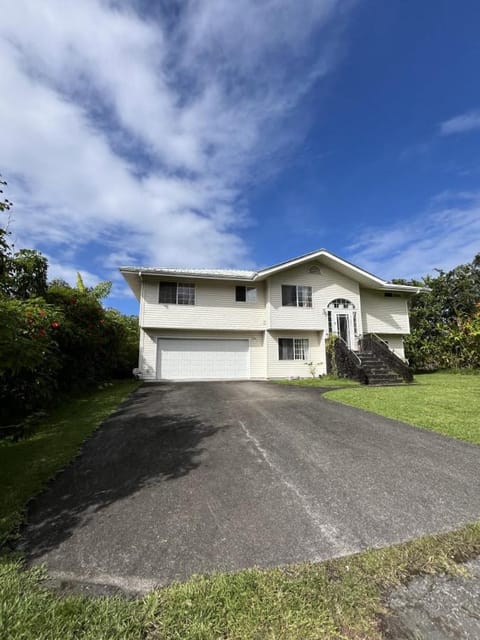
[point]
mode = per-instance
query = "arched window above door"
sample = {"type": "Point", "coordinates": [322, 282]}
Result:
{"type": "Point", "coordinates": [342, 320]}
{"type": "Point", "coordinates": [341, 303]}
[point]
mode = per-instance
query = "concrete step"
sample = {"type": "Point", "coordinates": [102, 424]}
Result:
{"type": "Point", "coordinates": [387, 383]}
{"type": "Point", "coordinates": [378, 371]}
{"type": "Point", "coordinates": [386, 378]}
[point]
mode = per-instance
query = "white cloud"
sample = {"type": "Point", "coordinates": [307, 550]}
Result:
{"type": "Point", "coordinates": [57, 271]}
{"type": "Point", "coordinates": [461, 124]}
{"type": "Point", "coordinates": [136, 137]}
{"type": "Point", "coordinates": [442, 238]}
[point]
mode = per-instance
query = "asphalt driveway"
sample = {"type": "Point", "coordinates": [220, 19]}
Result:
{"type": "Point", "coordinates": [195, 477]}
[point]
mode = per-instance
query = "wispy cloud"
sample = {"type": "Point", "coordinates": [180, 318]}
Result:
{"type": "Point", "coordinates": [139, 133]}
{"type": "Point", "coordinates": [462, 123]}
{"type": "Point", "coordinates": [446, 235]}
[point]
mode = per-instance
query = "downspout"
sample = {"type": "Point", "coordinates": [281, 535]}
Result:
{"type": "Point", "coordinates": [140, 322]}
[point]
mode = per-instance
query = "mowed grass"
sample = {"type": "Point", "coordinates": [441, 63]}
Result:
{"type": "Point", "coordinates": [324, 381]}
{"type": "Point", "coordinates": [26, 465]}
{"type": "Point", "coordinates": [446, 402]}
{"type": "Point", "coordinates": [338, 599]}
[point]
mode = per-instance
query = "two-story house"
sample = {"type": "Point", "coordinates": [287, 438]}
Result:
{"type": "Point", "coordinates": [229, 324]}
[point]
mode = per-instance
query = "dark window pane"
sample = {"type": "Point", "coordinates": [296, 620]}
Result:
{"type": "Point", "coordinates": [240, 294]}
{"type": "Point", "coordinates": [168, 293]}
{"type": "Point", "coordinates": [289, 295]}
{"type": "Point", "coordinates": [285, 349]}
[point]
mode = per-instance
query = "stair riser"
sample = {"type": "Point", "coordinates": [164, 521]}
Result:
{"type": "Point", "coordinates": [378, 372]}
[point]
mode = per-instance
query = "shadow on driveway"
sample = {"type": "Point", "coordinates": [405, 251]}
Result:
{"type": "Point", "coordinates": [132, 451]}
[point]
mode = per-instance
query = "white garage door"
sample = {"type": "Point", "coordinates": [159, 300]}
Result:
{"type": "Point", "coordinates": [181, 359]}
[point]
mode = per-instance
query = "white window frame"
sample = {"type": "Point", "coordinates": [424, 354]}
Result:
{"type": "Point", "coordinates": [296, 349]}
{"type": "Point", "coordinates": [248, 290]}
{"type": "Point", "coordinates": [297, 287]}
{"type": "Point", "coordinates": [178, 285]}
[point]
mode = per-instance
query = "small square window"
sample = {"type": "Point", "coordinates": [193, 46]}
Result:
{"type": "Point", "coordinates": [289, 295]}
{"type": "Point", "coordinates": [296, 296]}
{"type": "Point", "coordinates": [245, 294]}
{"type": "Point", "coordinates": [293, 348]}
{"type": "Point", "coordinates": [168, 293]}
{"type": "Point", "coordinates": [176, 293]}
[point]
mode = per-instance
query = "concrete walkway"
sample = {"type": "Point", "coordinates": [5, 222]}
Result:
{"type": "Point", "coordinates": [437, 607]}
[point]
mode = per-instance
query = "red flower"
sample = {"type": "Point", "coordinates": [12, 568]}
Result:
{"type": "Point", "coordinates": [55, 325]}
{"type": "Point", "coordinates": [41, 332]}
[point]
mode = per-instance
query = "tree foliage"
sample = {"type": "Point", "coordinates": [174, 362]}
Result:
{"type": "Point", "coordinates": [445, 320]}
{"type": "Point", "coordinates": [98, 292]}
{"type": "Point", "coordinates": [54, 338]}
{"type": "Point", "coordinates": [5, 251]}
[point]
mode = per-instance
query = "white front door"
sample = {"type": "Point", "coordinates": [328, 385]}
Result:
{"type": "Point", "coordinates": [202, 359]}
{"type": "Point", "coordinates": [343, 325]}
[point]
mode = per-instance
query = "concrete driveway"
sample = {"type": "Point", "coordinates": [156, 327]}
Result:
{"type": "Point", "coordinates": [195, 477]}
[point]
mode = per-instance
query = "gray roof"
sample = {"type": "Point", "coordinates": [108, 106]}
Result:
{"type": "Point", "coordinates": [344, 266]}
{"type": "Point", "coordinates": [207, 273]}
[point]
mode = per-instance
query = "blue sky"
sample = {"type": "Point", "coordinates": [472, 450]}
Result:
{"type": "Point", "coordinates": [211, 133]}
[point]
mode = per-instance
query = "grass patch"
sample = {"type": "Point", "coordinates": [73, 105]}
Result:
{"type": "Point", "coordinates": [324, 381]}
{"type": "Point", "coordinates": [26, 465]}
{"type": "Point", "coordinates": [341, 599]}
{"type": "Point", "coordinates": [446, 402]}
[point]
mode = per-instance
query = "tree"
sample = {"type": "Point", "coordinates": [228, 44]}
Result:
{"type": "Point", "coordinates": [54, 338]}
{"type": "Point", "coordinates": [440, 319]}
{"type": "Point", "coordinates": [5, 204]}
{"type": "Point", "coordinates": [28, 274]}
{"type": "Point", "coordinates": [98, 292]}
{"type": "Point", "coordinates": [5, 250]}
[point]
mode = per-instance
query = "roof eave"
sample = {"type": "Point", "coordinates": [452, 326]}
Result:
{"type": "Point", "coordinates": [370, 277]}
{"type": "Point", "coordinates": [183, 274]}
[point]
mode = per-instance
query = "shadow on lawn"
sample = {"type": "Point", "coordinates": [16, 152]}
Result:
{"type": "Point", "coordinates": [136, 447]}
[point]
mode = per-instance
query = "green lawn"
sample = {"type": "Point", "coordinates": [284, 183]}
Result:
{"type": "Point", "coordinates": [445, 402]}
{"type": "Point", "coordinates": [339, 599]}
{"type": "Point", "coordinates": [26, 465]}
{"type": "Point", "coordinates": [324, 381]}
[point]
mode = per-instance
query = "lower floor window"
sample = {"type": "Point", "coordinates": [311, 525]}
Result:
{"type": "Point", "coordinates": [293, 348]}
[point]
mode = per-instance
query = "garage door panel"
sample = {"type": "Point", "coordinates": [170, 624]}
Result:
{"type": "Point", "coordinates": [183, 358]}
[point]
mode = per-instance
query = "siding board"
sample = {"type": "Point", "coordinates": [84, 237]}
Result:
{"type": "Point", "coordinates": [326, 286]}
{"type": "Point", "coordinates": [215, 307]}
{"type": "Point", "coordinates": [384, 315]}
{"type": "Point", "coordinates": [295, 368]}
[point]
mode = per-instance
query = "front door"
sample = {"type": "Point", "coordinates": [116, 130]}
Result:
{"type": "Point", "coordinates": [343, 321]}
{"type": "Point", "coordinates": [343, 327]}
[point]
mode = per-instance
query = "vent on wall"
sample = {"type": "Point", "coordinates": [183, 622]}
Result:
{"type": "Point", "coordinates": [389, 294]}
{"type": "Point", "coordinates": [314, 269]}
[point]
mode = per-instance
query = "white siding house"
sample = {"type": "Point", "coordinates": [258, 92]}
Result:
{"type": "Point", "coordinates": [226, 324]}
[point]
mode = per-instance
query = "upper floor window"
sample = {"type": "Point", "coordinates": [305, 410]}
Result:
{"type": "Point", "coordinates": [296, 296]}
{"type": "Point", "coordinates": [176, 293]}
{"type": "Point", "coordinates": [245, 294]}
